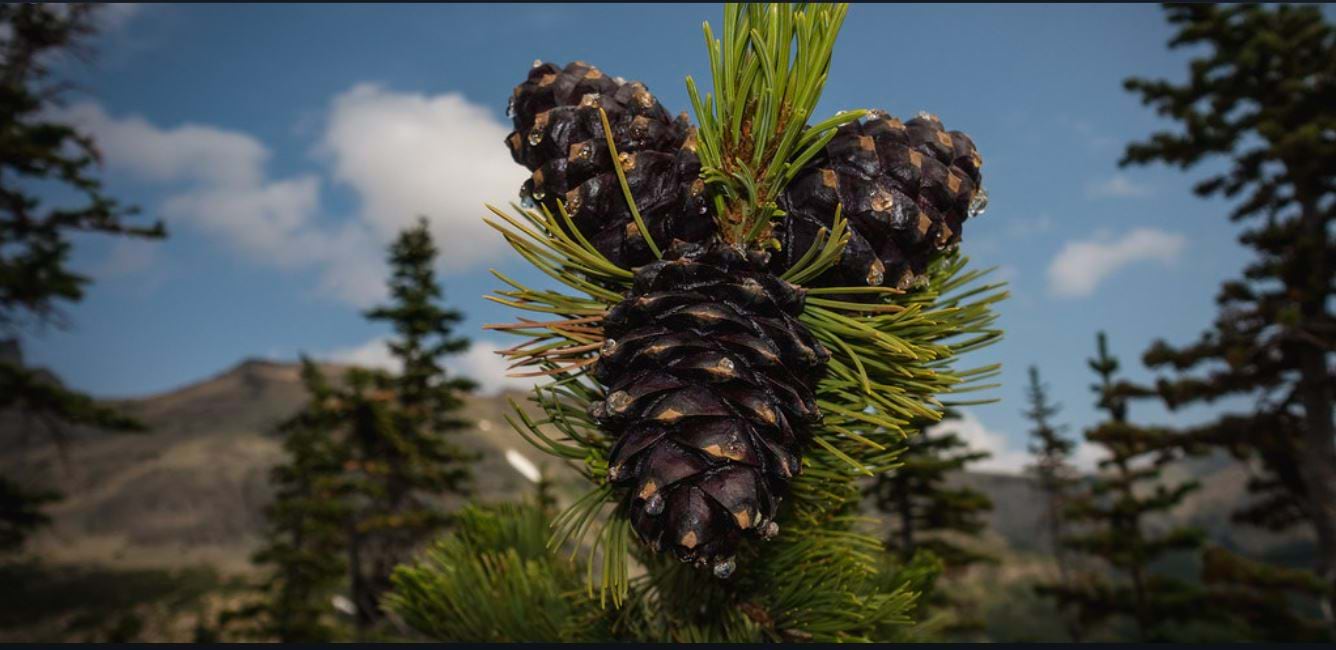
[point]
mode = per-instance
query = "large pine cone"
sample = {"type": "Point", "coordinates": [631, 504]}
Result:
{"type": "Point", "coordinates": [559, 136]}
{"type": "Point", "coordinates": [906, 188]}
{"type": "Point", "coordinates": [710, 383]}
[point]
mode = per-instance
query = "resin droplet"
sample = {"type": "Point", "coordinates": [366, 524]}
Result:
{"type": "Point", "coordinates": [877, 114]}
{"type": "Point", "coordinates": [726, 364]}
{"type": "Point", "coordinates": [768, 530]}
{"type": "Point", "coordinates": [609, 347]}
{"type": "Point", "coordinates": [615, 472]}
{"type": "Point", "coordinates": [724, 568]}
{"type": "Point", "coordinates": [619, 80]}
{"type": "Point", "coordinates": [537, 62]}
{"type": "Point", "coordinates": [589, 100]}
{"type": "Point", "coordinates": [618, 401]}
{"type": "Point", "coordinates": [527, 202]}
{"type": "Point", "coordinates": [539, 194]}
{"type": "Point", "coordinates": [510, 107]}
{"type": "Point", "coordinates": [978, 203]}
{"type": "Point", "coordinates": [535, 137]}
{"type": "Point", "coordinates": [654, 505]}
{"type": "Point", "coordinates": [876, 274]}
{"type": "Point", "coordinates": [925, 115]}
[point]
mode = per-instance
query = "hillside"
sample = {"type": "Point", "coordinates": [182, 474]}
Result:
{"type": "Point", "coordinates": [191, 490]}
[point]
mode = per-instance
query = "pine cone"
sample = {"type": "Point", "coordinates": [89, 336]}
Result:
{"type": "Point", "coordinates": [906, 188]}
{"type": "Point", "coordinates": [710, 395]}
{"type": "Point", "coordinates": [559, 136]}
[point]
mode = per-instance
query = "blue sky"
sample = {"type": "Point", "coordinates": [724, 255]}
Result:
{"type": "Point", "coordinates": [284, 144]}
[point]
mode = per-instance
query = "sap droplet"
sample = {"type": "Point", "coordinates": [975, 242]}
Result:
{"type": "Point", "coordinates": [586, 152]}
{"type": "Point", "coordinates": [535, 137]}
{"type": "Point", "coordinates": [978, 203]}
{"type": "Point", "coordinates": [727, 364]}
{"type": "Point", "coordinates": [876, 274]}
{"type": "Point", "coordinates": [925, 115]}
{"type": "Point", "coordinates": [724, 568]}
{"type": "Point", "coordinates": [527, 202]}
{"type": "Point", "coordinates": [619, 80]}
{"type": "Point", "coordinates": [589, 100]}
{"type": "Point", "coordinates": [537, 62]}
{"type": "Point", "coordinates": [618, 401]}
{"type": "Point", "coordinates": [539, 194]}
{"type": "Point", "coordinates": [877, 114]}
{"type": "Point", "coordinates": [654, 505]}
{"type": "Point", "coordinates": [769, 530]}
{"type": "Point", "coordinates": [609, 347]}
{"type": "Point", "coordinates": [510, 107]}
{"type": "Point", "coordinates": [615, 472]}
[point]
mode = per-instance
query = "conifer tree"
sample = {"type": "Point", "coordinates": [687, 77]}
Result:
{"type": "Point", "coordinates": [35, 278]}
{"type": "Point", "coordinates": [755, 313]}
{"type": "Point", "coordinates": [1260, 98]}
{"type": "Point", "coordinates": [1055, 477]}
{"type": "Point", "coordinates": [925, 510]}
{"type": "Point", "coordinates": [402, 459]}
{"type": "Point", "coordinates": [1110, 518]}
{"type": "Point", "coordinates": [305, 545]}
{"type": "Point", "coordinates": [1260, 599]}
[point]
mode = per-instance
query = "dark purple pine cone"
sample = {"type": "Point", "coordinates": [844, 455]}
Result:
{"type": "Point", "coordinates": [559, 137]}
{"type": "Point", "coordinates": [906, 188]}
{"type": "Point", "coordinates": [710, 382]}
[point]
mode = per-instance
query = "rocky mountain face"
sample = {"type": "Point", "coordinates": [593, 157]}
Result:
{"type": "Point", "coordinates": [191, 490]}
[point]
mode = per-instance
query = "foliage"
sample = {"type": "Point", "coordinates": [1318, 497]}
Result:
{"type": "Point", "coordinates": [37, 154]}
{"type": "Point", "coordinates": [1260, 598]}
{"type": "Point", "coordinates": [495, 580]}
{"type": "Point", "coordinates": [1261, 97]}
{"type": "Point", "coordinates": [1112, 513]}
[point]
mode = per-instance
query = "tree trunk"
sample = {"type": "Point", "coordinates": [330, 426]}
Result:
{"type": "Point", "coordinates": [1317, 460]}
{"type": "Point", "coordinates": [906, 522]}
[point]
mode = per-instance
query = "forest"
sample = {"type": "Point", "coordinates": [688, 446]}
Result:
{"type": "Point", "coordinates": [729, 384]}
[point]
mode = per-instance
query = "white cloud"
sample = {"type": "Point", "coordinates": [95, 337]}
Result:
{"type": "Point", "coordinates": [403, 154]}
{"type": "Point", "coordinates": [1081, 265]}
{"type": "Point", "coordinates": [1023, 227]}
{"type": "Point", "coordinates": [112, 16]}
{"type": "Point", "coordinates": [1007, 457]}
{"type": "Point", "coordinates": [1117, 186]}
{"type": "Point", "coordinates": [480, 362]}
{"type": "Point", "coordinates": [221, 187]}
{"type": "Point", "coordinates": [410, 154]}
{"type": "Point", "coordinates": [1004, 458]}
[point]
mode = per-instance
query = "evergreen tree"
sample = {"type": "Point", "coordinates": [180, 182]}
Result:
{"type": "Point", "coordinates": [1260, 598]}
{"type": "Point", "coordinates": [37, 153]}
{"type": "Point", "coordinates": [1055, 477]}
{"type": "Point", "coordinates": [401, 458]}
{"type": "Point", "coordinates": [728, 356]}
{"type": "Point", "coordinates": [925, 510]}
{"type": "Point", "coordinates": [931, 521]}
{"type": "Point", "coordinates": [1260, 97]}
{"type": "Point", "coordinates": [304, 548]}
{"type": "Point", "coordinates": [1110, 517]}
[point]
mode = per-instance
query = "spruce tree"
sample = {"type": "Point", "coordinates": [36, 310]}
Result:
{"type": "Point", "coordinates": [402, 460]}
{"type": "Point", "coordinates": [1111, 517]}
{"type": "Point", "coordinates": [755, 313]}
{"type": "Point", "coordinates": [304, 547]}
{"type": "Point", "coordinates": [1055, 477]}
{"type": "Point", "coordinates": [1259, 98]}
{"type": "Point", "coordinates": [36, 154]}
{"type": "Point", "coordinates": [926, 510]}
